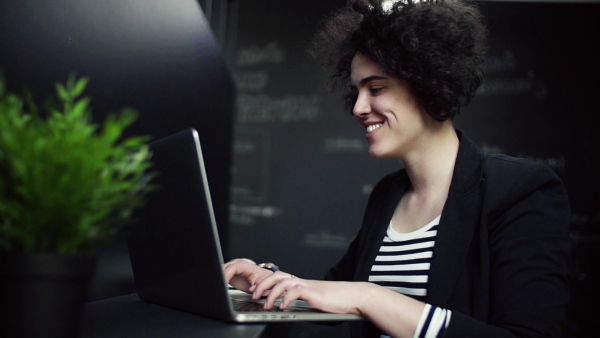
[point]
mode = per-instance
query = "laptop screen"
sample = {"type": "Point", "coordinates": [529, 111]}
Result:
{"type": "Point", "coordinates": [174, 246]}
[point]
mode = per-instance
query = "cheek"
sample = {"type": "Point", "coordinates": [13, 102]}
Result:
{"type": "Point", "coordinates": [406, 113]}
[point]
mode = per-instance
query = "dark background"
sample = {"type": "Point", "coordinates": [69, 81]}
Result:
{"type": "Point", "coordinates": [300, 173]}
{"type": "Point", "coordinates": [303, 202]}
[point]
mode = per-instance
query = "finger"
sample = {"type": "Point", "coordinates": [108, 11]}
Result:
{"type": "Point", "coordinates": [260, 288]}
{"type": "Point", "coordinates": [295, 290]}
{"type": "Point", "coordinates": [275, 293]}
{"type": "Point", "coordinates": [264, 274]}
{"type": "Point", "coordinates": [233, 261]}
{"type": "Point", "coordinates": [232, 270]}
{"type": "Point", "coordinates": [292, 293]}
{"type": "Point", "coordinates": [242, 275]}
{"type": "Point", "coordinates": [280, 289]}
{"type": "Point", "coordinates": [266, 283]}
{"type": "Point", "coordinates": [228, 272]}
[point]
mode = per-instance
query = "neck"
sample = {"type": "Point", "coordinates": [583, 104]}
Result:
{"type": "Point", "coordinates": [431, 169]}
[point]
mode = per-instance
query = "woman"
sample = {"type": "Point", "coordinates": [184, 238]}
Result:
{"type": "Point", "coordinates": [457, 243]}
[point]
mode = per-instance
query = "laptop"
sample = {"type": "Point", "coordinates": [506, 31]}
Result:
{"type": "Point", "coordinates": [174, 245]}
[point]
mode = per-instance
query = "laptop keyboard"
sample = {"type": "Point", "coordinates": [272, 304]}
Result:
{"type": "Point", "coordinates": [248, 306]}
{"type": "Point", "coordinates": [242, 305]}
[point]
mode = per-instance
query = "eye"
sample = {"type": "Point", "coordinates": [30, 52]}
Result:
{"type": "Point", "coordinates": [375, 90]}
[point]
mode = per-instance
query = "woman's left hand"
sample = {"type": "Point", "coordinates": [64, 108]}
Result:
{"type": "Point", "coordinates": [335, 297]}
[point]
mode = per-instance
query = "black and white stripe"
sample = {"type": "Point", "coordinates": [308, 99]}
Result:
{"type": "Point", "coordinates": [433, 322]}
{"type": "Point", "coordinates": [403, 265]}
{"type": "Point", "coordinates": [403, 261]}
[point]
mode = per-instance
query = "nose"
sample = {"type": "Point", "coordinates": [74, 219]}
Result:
{"type": "Point", "coordinates": [362, 106]}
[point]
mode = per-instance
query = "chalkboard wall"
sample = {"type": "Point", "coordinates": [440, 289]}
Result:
{"type": "Point", "coordinates": [301, 171]}
{"type": "Point", "coordinates": [302, 175]}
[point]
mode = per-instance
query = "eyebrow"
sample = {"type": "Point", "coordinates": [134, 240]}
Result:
{"type": "Point", "coordinates": [369, 79]}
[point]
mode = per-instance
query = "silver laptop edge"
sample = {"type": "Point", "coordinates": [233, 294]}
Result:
{"type": "Point", "coordinates": [188, 275]}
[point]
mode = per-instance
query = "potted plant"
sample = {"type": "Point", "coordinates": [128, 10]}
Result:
{"type": "Point", "coordinates": [66, 185]}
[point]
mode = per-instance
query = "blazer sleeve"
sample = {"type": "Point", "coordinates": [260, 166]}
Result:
{"type": "Point", "coordinates": [526, 215]}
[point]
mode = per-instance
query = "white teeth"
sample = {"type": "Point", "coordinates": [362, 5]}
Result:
{"type": "Point", "coordinates": [373, 127]}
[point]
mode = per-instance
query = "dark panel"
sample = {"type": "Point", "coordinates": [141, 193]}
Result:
{"type": "Point", "coordinates": [155, 56]}
{"type": "Point", "coordinates": [158, 57]}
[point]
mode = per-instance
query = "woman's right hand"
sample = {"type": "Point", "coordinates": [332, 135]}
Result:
{"type": "Point", "coordinates": [241, 274]}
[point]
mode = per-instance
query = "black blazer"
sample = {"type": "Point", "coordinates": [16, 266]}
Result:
{"type": "Point", "coordinates": [502, 253]}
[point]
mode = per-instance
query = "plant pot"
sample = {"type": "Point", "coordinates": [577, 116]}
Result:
{"type": "Point", "coordinates": [42, 295]}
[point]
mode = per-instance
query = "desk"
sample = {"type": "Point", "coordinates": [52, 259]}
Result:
{"type": "Point", "coordinates": [128, 316]}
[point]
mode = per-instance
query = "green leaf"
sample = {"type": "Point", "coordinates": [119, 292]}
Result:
{"type": "Point", "coordinates": [62, 92]}
{"type": "Point", "coordinates": [80, 109]}
{"type": "Point", "coordinates": [79, 87]}
{"type": "Point", "coordinates": [65, 185]}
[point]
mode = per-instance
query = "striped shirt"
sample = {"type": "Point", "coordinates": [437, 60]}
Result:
{"type": "Point", "coordinates": [402, 265]}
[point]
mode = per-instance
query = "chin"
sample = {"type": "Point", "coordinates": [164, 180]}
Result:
{"type": "Point", "coordinates": [378, 153]}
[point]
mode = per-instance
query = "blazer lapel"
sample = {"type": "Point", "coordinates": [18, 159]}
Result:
{"type": "Point", "coordinates": [379, 226]}
{"type": "Point", "coordinates": [455, 232]}
{"type": "Point", "coordinates": [458, 223]}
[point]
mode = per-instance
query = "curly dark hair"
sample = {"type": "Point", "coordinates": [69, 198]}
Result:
{"type": "Point", "coordinates": [437, 46]}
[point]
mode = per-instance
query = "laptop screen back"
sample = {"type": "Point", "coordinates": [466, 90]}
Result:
{"type": "Point", "coordinates": [174, 246]}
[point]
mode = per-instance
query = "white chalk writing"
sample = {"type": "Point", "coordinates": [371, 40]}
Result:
{"type": "Point", "coordinates": [343, 145]}
{"type": "Point", "coordinates": [500, 63]}
{"type": "Point", "coordinates": [243, 147]}
{"type": "Point", "coordinates": [514, 86]}
{"type": "Point", "coordinates": [555, 162]}
{"type": "Point", "coordinates": [286, 109]}
{"type": "Point", "coordinates": [251, 80]}
{"type": "Point", "coordinates": [254, 55]}
{"type": "Point", "coordinates": [327, 240]}
{"type": "Point", "coordinates": [247, 214]}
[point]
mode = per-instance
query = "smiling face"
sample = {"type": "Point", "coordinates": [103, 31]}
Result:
{"type": "Point", "coordinates": [394, 120]}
